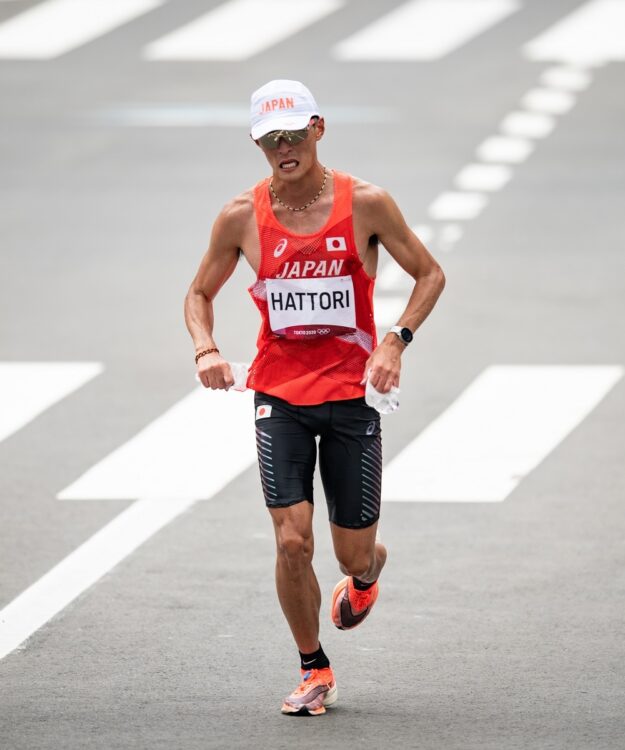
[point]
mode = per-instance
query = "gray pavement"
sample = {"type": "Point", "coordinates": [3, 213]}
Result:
{"type": "Point", "coordinates": [499, 625]}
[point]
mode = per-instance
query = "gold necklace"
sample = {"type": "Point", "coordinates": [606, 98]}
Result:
{"type": "Point", "coordinates": [310, 202]}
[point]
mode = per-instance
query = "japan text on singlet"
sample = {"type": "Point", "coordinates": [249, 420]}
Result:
{"type": "Point", "coordinates": [316, 303]}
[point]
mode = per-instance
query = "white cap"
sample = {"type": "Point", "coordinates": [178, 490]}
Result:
{"type": "Point", "coordinates": [281, 105]}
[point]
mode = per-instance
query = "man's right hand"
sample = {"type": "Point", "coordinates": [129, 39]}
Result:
{"type": "Point", "coordinates": [214, 372]}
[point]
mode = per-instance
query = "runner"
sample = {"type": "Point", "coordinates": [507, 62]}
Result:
{"type": "Point", "coordinates": [312, 235]}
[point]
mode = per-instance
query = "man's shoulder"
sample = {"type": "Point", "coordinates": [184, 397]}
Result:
{"type": "Point", "coordinates": [239, 208]}
{"type": "Point", "coordinates": [367, 196]}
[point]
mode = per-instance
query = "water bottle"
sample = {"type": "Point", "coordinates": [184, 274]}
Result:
{"type": "Point", "coordinates": [385, 403]}
{"type": "Point", "coordinates": [239, 373]}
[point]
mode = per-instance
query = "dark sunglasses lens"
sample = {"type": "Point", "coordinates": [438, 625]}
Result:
{"type": "Point", "coordinates": [292, 137]}
{"type": "Point", "coordinates": [295, 136]}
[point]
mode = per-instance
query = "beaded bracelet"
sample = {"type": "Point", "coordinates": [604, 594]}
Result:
{"type": "Point", "coordinates": [206, 351]}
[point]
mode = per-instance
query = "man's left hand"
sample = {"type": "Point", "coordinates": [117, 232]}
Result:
{"type": "Point", "coordinates": [384, 364]}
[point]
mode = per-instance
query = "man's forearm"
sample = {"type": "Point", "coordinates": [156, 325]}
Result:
{"type": "Point", "coordinates": [198, 316]}
{"type": "Point", "coordinates": [424, 295]}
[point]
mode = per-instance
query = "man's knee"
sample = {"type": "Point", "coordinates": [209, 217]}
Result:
{"type": "Point", "coordinates": [294, 549]}
{"type": "Point", "coordinates": [356, 563]}
{"type": "Point", "coordinates": [294, 536]}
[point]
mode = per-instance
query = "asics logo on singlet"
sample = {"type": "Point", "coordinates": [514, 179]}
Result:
{"type": "Point", "coordinates": [280, 247]}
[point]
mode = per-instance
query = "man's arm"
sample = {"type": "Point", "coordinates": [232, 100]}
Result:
{"type": "Point", "coordinates": [215, 268]}
{"type": "Point", "coordinates": [406, 249]}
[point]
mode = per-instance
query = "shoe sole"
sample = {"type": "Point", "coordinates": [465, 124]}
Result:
{"type": "Point", "coordinates": [329, 700]}
{"type": "Point", "coordinates": [340, 586]}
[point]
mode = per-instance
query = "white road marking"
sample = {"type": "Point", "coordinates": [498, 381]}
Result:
{"type": "Point", "coordinates": [178, 459]}
{"type": "Point", "coordinates": [448, 236]}
{"type": "Point", "coordinates": [505, 424]}
{"type": "Point", "coordinates": [29, 388]}
{"type": "Point", "coordinates": [55, 27]}
{"type": "Point", "coordinates": [549, 101]}
{"type": "Point", "coordinates": [452, 206]}
{"type": "Point", "coordinates": [593, 33]}
{"type": "Point", "coordinates": [488, 177]}
{"type": "Point", "coordinates": [227, 115]}
{"type": "Point", "coordinates": [388, 309]}
{"type": "Point", "coordinates": [39, 603]}
{"type": "Point", "coordinates": [424, 232]}
{"type": "Point", "coordinates": [527, 124]}
{"type": "Point", "coordinates": [391, 277]}
{"type": "Point", "coordinates": [567, 78]}
{"type": "Point", "coordinates": [239, 29]}
{"type": "Point", "coordinates": [424, 29]}
{"type": "Point", "coordinates": [501, 148]}
{"type": "Point", "coordinates": [180, 454]}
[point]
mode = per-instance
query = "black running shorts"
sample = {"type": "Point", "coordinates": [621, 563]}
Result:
{"type": "Point", "coordinates": [350, 456]}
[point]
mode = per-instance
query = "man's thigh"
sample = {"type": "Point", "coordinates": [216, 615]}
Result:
{"type": "Point", "coordinates": [350, 459]}
{"type": "Point", "coordinates": [286, 450]}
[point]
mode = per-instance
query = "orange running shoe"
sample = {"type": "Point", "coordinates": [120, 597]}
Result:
{"type": "Point", "coordinates": [349, 605]}
{"type": "Point", "coordinates": [316, 691]}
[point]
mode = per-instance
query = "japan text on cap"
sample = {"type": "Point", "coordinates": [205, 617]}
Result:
{"type": "Point", "coordinates": [281, 105]}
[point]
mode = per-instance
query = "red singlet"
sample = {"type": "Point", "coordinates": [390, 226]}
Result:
{"type": "Point", "coordinates": [316, 303]}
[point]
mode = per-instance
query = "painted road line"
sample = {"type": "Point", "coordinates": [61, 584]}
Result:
{"type": "Point", "coordinates": [452, 206]}
{"type": "Point", "coordinates": [180, 454]}
{"type": "Point", "coordinates": [424, 232]}
{"type": "Point", "coordinates": [226, 115]}
{"type": "Point", "coordinates": [38, 604]}
{"type": "Point", "coordinates": [391, 277]}
{"type": "Point", "coordinates": [566, 78]}
{"type": "Point", "coordinates": [388, 309]}
{"type": "Point", "coordinates": [488, 177]}
{"type": "Point", "coordinates": [505, 424]}
{"type": "Point", "coordinates": [592, 34]}
{"type": "Point", "coordinates": [424, 29]}
{"type": "Point", "coordinates": [527, 124]}
{"type": "Point", "coordinates": [550, 101]}
{"type": "Point", "coordinates": [55, 27]}
{"type": "Point", "coordinates": [29, 388]}
{"type": "Point", "coordinates": [239, 29]}
{"type": "Point", "coordinates": [448, 235]}
{"type": "Point", "coordinates": [502, 148]}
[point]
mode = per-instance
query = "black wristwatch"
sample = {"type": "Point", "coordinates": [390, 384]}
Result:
{"type": "Point", "coordinates": [404, 334]}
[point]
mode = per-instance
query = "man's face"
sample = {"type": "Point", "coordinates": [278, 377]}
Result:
{"type": "Point", "coordinates": [291, 161]}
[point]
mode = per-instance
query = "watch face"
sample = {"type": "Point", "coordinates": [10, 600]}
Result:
{"type": "Point", "coordinates": [406, 335]}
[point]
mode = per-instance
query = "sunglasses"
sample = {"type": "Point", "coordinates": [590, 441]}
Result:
{"type": "Point", "coordinates": [292, 137]}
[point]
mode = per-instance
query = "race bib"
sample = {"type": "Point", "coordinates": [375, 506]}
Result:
{"type": "Point", "coordinates": [308, 308]}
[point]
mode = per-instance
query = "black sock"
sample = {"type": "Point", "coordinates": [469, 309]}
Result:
{"type": "Point", "coordinates": [361, 585]}
{"type": "Point", "coordinates": [316, 660]}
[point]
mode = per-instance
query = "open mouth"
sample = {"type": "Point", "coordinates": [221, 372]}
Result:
{"type": "Point", "coordinates": [289, 164]}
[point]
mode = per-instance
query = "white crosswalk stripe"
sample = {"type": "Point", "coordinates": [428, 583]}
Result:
{"type": "Point", "coordinates": [506, 422]}
{"type": "Point", "coordinates": [592, 34]}
{"type": "Point", "coordinates": [168, 458]}
{"type": "Point", "coordinates": [424, 29]}
{"type": "Point", "coordinates": [40, 602]}
{"type": "Point", "coordinates": [239, 29]}
{"type": "Point", "coordinates": [55, 27]}
{"type": "Point", "coordinates": [29, 388]}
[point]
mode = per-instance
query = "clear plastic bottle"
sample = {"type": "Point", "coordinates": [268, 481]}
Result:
{"type": "Point", "coordinates": [385, 403]}
{"type": "Point", "coordinates": [239, 373]}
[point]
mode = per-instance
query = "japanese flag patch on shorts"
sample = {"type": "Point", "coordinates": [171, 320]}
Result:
{"type": "Point", "coordinates": [263, 411]}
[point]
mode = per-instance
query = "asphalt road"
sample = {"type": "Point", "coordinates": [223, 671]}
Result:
{"type": "Point", "coordinates": [499, 624]}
